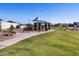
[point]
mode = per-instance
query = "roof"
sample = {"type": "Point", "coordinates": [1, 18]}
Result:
{"type": "Point", "coordinates": [35, 19]}
{"type": "Point", "coordinates": [42, 21]}
{"type": "Point", "coordinates": [39, 21]}
{"type": "Point", "coordinates": [12, 21]}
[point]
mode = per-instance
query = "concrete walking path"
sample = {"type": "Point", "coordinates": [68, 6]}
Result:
{"type": "Point", "coordinates": [19, 37]}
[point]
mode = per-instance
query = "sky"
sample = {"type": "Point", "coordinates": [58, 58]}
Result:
{"type": "Point", "coordinates": [51, 12]}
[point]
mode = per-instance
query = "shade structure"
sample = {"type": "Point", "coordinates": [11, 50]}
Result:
{"type": "Point", "coordinates": [38, 24]}
{"type": "Point", "coordinates": [35, 19]}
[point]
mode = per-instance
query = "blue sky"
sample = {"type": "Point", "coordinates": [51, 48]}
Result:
{"type": "Point", "coordinates": [52, 12]}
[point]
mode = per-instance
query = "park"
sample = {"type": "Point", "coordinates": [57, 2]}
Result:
{"type": "Point", "coordinates": [38, 29]}
{"type": "Point", "coordinates": [42, 41]}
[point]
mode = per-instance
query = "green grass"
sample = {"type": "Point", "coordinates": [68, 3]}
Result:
{"type": "Point", "coordinates": [57, 43]}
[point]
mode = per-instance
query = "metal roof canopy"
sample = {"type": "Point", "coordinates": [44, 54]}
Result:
{"type": "Point", "coordinates": [39, 21]}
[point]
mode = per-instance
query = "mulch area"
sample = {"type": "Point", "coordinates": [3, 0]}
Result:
{"type": "Point", "coordinates": [2, 37]}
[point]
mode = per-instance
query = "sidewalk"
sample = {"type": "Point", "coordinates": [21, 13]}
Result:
{"type": "Point", "coordinates": [19, 37]}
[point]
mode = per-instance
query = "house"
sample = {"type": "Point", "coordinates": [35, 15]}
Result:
{"type": "Point", "coordinates": [6, 25]}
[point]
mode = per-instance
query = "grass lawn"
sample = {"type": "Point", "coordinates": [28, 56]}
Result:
{"type": "Point", "coordinates": [57, 43]}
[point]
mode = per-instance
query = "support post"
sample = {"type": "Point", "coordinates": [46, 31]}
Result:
{"type": "Point", "coordinates": [46, 26]}
{"type": "Point", "coordinates": [49, 26]}
{"type": "Point", "coordinates": [39, 26]}
{"type": "Point", "coordinates": [35, 26]}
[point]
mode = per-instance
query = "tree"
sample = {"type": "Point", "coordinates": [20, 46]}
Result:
{"type": "Point", "coordinates": [18, 26]}
{"type": "Point", "coordinates": [11, 28]}
{"type": "Point", "coordinates": [0, 26]}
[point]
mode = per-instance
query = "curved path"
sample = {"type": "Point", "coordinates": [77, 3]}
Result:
{"type": "Point", "coordinates": [19, 37]}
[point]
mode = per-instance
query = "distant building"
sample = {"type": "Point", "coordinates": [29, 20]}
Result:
{"type": "Point", "coordinates": [6, 25]}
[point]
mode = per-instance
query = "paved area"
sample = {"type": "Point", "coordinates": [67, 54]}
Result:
{"type": "Point", "coordinates": [19, 37]}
